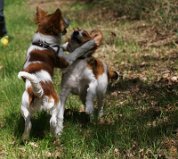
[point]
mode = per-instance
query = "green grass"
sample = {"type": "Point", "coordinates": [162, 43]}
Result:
{"type": "Point", "coordinates": [141, 110]}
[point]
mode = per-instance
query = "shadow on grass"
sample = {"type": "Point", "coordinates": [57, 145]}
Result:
{"type": "Point", "coordinates": [145, 126]}
{"type": "Point", "coordinates": [40, 125]}
{"type": "Point", "coordinates": [156, 108]}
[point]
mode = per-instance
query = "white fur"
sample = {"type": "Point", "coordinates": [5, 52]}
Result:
{"type": "Point", "coordinates": [34, 81]}
{"type": "Point", "coordinates": [43, 76]}
{"type": "Point", "coordinates": [80, 80]}
{"type": "Point", "coordinates": [64, 46]}
{"type": "Point", "coordinates": [51, 40]}
{"type": "Point", "coordinates": [46, 38]}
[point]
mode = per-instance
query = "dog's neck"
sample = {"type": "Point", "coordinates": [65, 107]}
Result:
{"type": "Point", "coordinates": [46, 38]}
{"type": "Point", "coordinates": [52, 41]}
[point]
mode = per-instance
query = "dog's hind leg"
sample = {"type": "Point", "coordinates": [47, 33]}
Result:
{"type": "Point", "coordinates": [26, 115]}
{"type": "Point", "coordinates": [100, 104]}
{"type": "Point", "coordinates": [101, 91]}
{"type": "Point", "coordinates": [91, 93]}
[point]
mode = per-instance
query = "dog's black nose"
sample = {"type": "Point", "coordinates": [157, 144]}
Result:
{"type": "Point", "coordinates": [75, 33]}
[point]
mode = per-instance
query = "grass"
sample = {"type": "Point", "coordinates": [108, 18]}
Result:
{"type": "Point", "coordinates": [141, 110]}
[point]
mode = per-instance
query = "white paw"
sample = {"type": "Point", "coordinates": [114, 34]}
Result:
{"type": "Point", "coordinates": [53, 124]}
{"type": "Point", "coordinates": [56, 127]}
{"type": "Point", "coordinates": [89, 110]}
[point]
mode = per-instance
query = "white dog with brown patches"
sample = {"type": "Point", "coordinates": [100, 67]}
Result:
{"type": "Point", "coordinates": [87, 77]}
{"type": "Point", "coordinates": [43, 56]}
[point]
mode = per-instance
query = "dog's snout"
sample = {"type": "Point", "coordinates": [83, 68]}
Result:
{"type": "Point", "coordinates": [76, 33]}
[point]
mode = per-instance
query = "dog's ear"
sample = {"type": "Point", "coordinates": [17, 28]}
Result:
{"type": "Point", "coordinates": [58, 12]}
{"type": "Point", "coordinates": [97, 35]}
{"type": "Point", "coordinates": [56, 16]}
{"type": "Point", "coordinates": [57, 20]}
{"type": "Point", "coordinates": [86, 34]}
{"type": "Point", "coordinates": [40, 14]}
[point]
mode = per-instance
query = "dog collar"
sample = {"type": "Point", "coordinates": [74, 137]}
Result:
{"type": "Point", "coordinates": [55, 48]}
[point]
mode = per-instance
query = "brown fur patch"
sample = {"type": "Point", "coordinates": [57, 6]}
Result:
{"type": "Point", "coordinates": [61, 62]}
{"type": "Point", "coordinates": [96, 66]}
{"type": "Point", "coordinates": [48, 61]}
{"type": "Point", "coordinates": [48, 89]}
{"type": "Point", "coordinates": [97, 35]}
{"type": "Point", "coordinates": [40, 14]}
{"type": "Point", "coordinates": [86, 37]}
{"type": "Point", "coordinates": [112, 74]}
{"type": "Point", "coordinates": [43, 56]}
{"type": "Point", "coordinates": [50, 24]}
{"type": "Point", "coordinates": [35, 67]}
{"type": "Point", "coordinates": [31, 95]}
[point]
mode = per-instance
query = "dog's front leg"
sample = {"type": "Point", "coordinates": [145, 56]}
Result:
{"type": "Point", "coordinates": [26, 115]}
{"type": "Point", "coordinates": [82, 51]}
{"type": "Point", "coordinates": [60, 109]}
{"type": "Point", "coordinates": [53, 120]}
{"type": "Point", "coordinates": [101, 91]}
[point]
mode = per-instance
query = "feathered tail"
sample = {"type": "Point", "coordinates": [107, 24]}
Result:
{"type": "Point", "coordinates": [114, 75]}
{"type": "Point", "coordinates": [36, 86]}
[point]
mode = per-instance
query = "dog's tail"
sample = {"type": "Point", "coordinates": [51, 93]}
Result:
{"type": "Point", "coordinates": [36, 86]}
{"type": "Point", "coordinates": [114, 75]}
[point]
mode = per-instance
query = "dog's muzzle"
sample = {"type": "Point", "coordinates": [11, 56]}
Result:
{"type": "Point", "coordinates": [75, 34]}
{"type": "Point", "coordinates": [76, 37]}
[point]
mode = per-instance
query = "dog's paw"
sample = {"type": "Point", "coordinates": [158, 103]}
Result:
{"type": "Point", "coordinates": [53, 123]}
{"type": "Point", "coordinates": [58, 131]}
{"type": "Point", "coordinates": [59, 127]}
{"type": "Point", "coordinates": [25, 137]}
{"type": "Point", "coordinates": [89, 110]}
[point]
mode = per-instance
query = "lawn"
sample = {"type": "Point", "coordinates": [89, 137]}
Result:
{"type": "Point", "coordinates": [141, 110]}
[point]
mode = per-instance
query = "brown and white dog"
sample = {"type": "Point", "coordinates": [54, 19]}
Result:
{"type": "Point", "coordinates": [43, 55]}
{"type": "Point", "coordinates": [87, 77]}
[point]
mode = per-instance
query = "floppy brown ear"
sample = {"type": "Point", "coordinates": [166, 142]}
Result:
{"type": "Point", "coordinates": [40, 14]}
{"type": "Point", "coordinates": [97, 35]}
